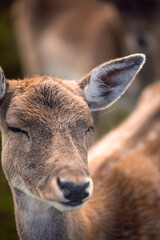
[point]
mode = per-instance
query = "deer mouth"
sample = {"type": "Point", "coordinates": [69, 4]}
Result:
{"type": "Point", "coordinates": [67, 206]}
{"type": "Point", "coordinates": [72, 203]}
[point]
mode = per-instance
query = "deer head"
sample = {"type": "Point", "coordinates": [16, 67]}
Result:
{"type": "Point", "coordinates": [45, 124]}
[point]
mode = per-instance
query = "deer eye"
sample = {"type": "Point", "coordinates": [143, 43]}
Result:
{"type": "Point", "coordinates": [18, 130]}
{"type": "Point", "coordinates": [90, 129]}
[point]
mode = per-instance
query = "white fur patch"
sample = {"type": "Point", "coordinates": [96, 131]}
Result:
{"type": "Point", "coordinates": [2, 84]}
{"type": "Point", "coordinates": [152, 135]}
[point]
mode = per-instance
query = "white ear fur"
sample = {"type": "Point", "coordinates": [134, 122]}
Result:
{"type": "Point", "coordinates": [109, 81]}
{"type": "Point", "coordinates": [2, 84]}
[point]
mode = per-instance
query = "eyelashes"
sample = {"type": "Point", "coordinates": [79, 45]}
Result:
{"type": "Point", "coordinates": [18, 130]}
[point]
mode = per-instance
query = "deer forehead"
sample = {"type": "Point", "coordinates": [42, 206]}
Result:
{"type": "Point", "coordinates": [47, 100]}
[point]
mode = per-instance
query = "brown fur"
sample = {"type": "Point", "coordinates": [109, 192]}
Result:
{"type": "Point", "coordinates": [129, 172]}
{"type": "Point", "coordinates": [124, 165]}
{"type": "Point", "coordinates": [126, 182]}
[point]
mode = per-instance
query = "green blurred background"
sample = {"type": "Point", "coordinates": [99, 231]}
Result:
{"type": "Point", "coordinates": [9, 61]}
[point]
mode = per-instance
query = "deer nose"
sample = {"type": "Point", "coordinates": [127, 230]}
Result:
{"type": "Point", "coordinates": [73, 192]}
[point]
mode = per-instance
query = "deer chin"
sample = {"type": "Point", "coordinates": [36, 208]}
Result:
{"type": "Point", "coordinates": [67, 206]}
{"type": "Point", "coordinates": [62, 206]}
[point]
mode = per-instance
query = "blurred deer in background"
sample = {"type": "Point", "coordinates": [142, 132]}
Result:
{"type": "Point", "coordinates": [140, 19]}
{"type": "Point", "coordinates": [45, 123]}
{"type": "Point", "coordinates": [126, 165]}
{"type": "Point", "coordinates": [55, 37]}
{"type": "Point", "coordinates": [66, 38]}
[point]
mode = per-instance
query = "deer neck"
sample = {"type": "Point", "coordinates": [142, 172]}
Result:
{"type": "Point", "coordinates": [37, 220]}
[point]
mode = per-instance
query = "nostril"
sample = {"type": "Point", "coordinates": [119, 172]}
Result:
{"type": "Point", "coordinates": [72, 191]}
{"type": "Point", "coordinates": [84, 186]}
{"type": "Point", "coordinates": [61, 184]}
{"type": "Point", "coordinates": [72, 186]}
{"type": "Point", "coordinates": [84, 194]}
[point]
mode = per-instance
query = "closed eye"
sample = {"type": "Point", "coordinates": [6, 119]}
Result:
{"type": "Point", "coordinates": [90, 129]}
{"type": "Point", "coordinates": [18, 130]}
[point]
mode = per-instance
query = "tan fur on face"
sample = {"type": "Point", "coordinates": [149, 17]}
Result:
{"type": "Point", "coordinates": [124, 166]}
{"type": "Point", "coordinates": [53, 114]}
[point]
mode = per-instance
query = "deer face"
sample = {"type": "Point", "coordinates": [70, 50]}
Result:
{"type": "Point", "coordinates": [46, 131]}
{"type": "Point", "coordinates": [45, 124]}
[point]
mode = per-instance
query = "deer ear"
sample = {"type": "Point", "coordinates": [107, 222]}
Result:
{"type": "Point", "coordinates": [106, 83]}
{"type": "Point", "coordinates": [2, 84]}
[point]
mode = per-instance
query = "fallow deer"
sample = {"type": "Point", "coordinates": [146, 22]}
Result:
{"type": "Point", "coordinates": [45, 123]}
{"type": "Point", "coordinates": [126, 164]}
{"type": "Point", "coordinates": [140, 19]}
{"type": "Point", "coordinates": [66, 38]}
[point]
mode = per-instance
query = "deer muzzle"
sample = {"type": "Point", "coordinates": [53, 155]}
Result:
{"type": "Point", "coordinates": [68, 190]}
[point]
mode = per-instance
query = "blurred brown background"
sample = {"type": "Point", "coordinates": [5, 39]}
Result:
{"type": "Point", "coordinates": [67, 38]}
